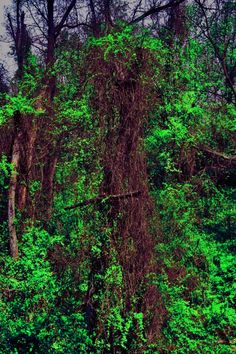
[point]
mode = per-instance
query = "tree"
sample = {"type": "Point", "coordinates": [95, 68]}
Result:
{"type": "Point", "coordinates": [25, 133]}
{"type": "Point", "coordinates": [20, 36]}
{"type": "Point", "coordinates": [218, 27]}
{"type": "Point", "coordinates": [21, 41]}
{"type": "Point", "coordinates": [117, 147]}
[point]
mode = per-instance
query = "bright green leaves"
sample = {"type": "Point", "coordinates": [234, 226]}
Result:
{"type": "Point", "coordinates": [67, 71]}
{"type": "Point", "coordinates": [31, 292]}
{"type": "Point", "coordinates": [5, 170]}
{"type": "Point", "coordinates": [21, 103]}
{"type": "Point", "coordinates": [74, 112]}
{"type": "Point", "coordinates": [114, 275]}
{"type": "Point", "coordinates": [198, 265]}
{"type": "Point", "coordinates": [33, 77]}
{"type": "Point", "coordinates": [116, 43]}
{"type": "Point", "coordinates": [123, 44]}
{"type": "Point", "coordinates": [30, 284]}
{"type": "Point", "coordinates": [47, 292]}
{"type": "Point", "coordinates": [184, 117]}
{"type": "Point", "coordinates": [178, 129]}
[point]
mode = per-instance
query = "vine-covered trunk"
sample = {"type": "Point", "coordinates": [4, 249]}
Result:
{"type": "Point", "coordinates": [122, 102]}
{"type": "Point", "coordinates": [125, 171]}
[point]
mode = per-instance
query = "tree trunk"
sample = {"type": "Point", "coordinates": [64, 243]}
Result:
{"type": "Point", "coordinates": [122, 120]}
{"type": "Point", "coordinates": [12, 189]}
{"type": "Point", "coordinates": [47, 187]}
{"type": "Point", "coordinates": [30, 134]}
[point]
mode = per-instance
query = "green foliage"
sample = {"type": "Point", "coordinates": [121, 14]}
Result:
{"type": "Point", "coordinates": [115, 43]}
{"type": "Point", "coordinates": [32, 77]}
{"type": "Point", "coordinates": [66, 292]}
{"type": "Point", "coordinates": [198, 267]}
{"type": "Point", "coordinates": [5, 170]}
{"type": "Point", "coordinates": [184, 118]}
{"type": "Point", "coordinates": [31, 319]}
{"type": "Point", "coordinates": [197, 216]}
{"type": "Point", "coordinates": [20, 103]}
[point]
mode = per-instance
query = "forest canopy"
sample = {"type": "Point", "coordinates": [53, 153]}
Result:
{"type": "Point", "coordinates": [117, 177]}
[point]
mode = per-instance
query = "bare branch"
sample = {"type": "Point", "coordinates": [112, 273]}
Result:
{"type": "Point", "coordinates": [92, 7]}
{"type": "Point", "coordinates": [76, 25]}
{"type": "Point", "coordinates": [40, 12]}
{"type": "Point", "coordinates": [155, 10]}
{"type": "Point", "coordinates": [64, 18]}
{"type": "Point", "coordinates": [231, 159]}
{"type": "Point", "coordinates": [220, 57]}
{"type": "Point", "coordinates": [11, 28]}
{"type": "Point", "coordinates": [107, 12]}
{"type": "Point", "coordinates": [36, 23]}
{"type": "Point", "coordinates": [104, 197]}
{"type": "Point", "coordinates": [136, 9]}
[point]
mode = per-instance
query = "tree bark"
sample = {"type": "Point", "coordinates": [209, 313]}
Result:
{"type": "Point", "coordinates": [12, 189]}
{"type": "Point", "coordinates": [47, 187]}
{"type": "Point", "coordinates": [29, 143]}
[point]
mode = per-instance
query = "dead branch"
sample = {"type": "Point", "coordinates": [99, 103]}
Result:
{"type": "Point", "coordinates": [102, 198]}
{"type": "Point", "coordinates": [212, 152]}
{"type": "Point", "coordinates": [155, 10]}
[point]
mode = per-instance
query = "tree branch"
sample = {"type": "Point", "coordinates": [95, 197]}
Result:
{"type": "Point", "coordinates": [76, 25]}
{"type": "Point", "coordinates": [40, 12]}
{"type": "Point", "coordinates": [102, 198]}
{"type": "Point", "coordinates": [64, 18]}
{"type": "Point", "coordinates": [36, 23]}
{"type": "Point", "coordinates": [220, 57]}
{"type": "Point", "coordinates": [11, 28]}
{"type": "Point", "coordinates": [155, 10]}
{"type": "Point", "coordinates": [210, 151]}
{"type": "Point", "coordinates": [136, 10]}
{"type": "Point", "coordinates": [107, 12]}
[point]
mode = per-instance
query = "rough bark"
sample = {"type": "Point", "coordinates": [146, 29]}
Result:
{"type": "Point", "coordinates": [177, 22]}
{"type": "Point", "coordinates": [47, 187]}
{"type": "Point", "coordinates": [28, 144]}
{"type": "Point", "coordinates": [12, 188]}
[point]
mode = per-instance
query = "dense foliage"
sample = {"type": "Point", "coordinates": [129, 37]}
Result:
{"type": "Point", "coordinates": [138, 124]}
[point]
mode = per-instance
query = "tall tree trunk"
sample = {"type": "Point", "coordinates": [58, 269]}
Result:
{"type": "Point", "coordinates": [30, 134]}
{"type": "Point", "coordinates": [47, 186]}
{"type": "Point", "coordinates": [178, 23]}
{"type": "Point", "coordinates": [122, 107]}
{"type": "Point", "coordinates": [13, 186]}
{"type": "Point", "coordinates": [107, 13]}
{"type": "Point", "coordinates": [51, 42]}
